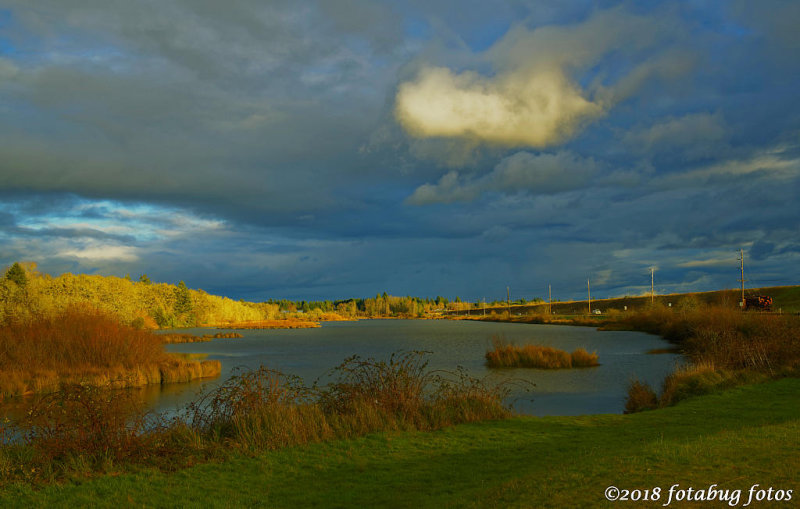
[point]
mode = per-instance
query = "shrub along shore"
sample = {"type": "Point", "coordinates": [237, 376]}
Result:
{"type": "Point", "coordinates": [81, 429]}
{"type": "Point", "coordinates": [732, 440]}
{"type": "Point", "coordinates": [83, 345]}
{"type": "Point", "coordinates": [191, 338]}
{"type": "Point", "coordinates": [724, 346]}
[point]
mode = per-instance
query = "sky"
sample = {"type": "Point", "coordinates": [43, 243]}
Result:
{"type": "Point", "coordinates": [343, 148]}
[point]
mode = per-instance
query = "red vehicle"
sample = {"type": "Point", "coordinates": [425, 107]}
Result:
{"type": "Point", "coordinates": [758, 303]}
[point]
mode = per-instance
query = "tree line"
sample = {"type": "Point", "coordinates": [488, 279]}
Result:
{"type": "Point", "coordinates": [26, 293]}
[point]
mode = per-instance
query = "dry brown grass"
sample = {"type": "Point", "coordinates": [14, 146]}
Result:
{"type": "Point", "coordinates": [77, 339]}
{"type": "Point", "coordinates": [583, 359]}
{"type": "Point", "coordinates": [508, 355]}
{"type": "Point", "coordinates": [533, 318]}
{"type": "Point", "coordinates": [266, 409]}
{"type": "Point", "coordinates": [724, 345]}
{"type": "Point", "coordinates": [726, 337]}
{"type": "Point", "coordinates": [640, 397]}
{"type": "Point", "coordinates": [83, 428]}
{"type": "Point", "coordinates": [289, 323]}
{"type": "Point", "coordinates": [83, 419]}
{"type": "Point", "coordinates": [191, 338]}
{"type": "Point", "coordinates": [334, 317]}
{"type": "Point", "coordinates": [82, 345]}
{"type": "Point", "coordinates": [177, 337]}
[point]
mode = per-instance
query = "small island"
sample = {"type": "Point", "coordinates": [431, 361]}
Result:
{"type": "Point", "coordinates": [508, 355]}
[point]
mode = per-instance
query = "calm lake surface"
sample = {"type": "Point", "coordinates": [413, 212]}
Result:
{"type": "Point", "coordinates": [311, 353]}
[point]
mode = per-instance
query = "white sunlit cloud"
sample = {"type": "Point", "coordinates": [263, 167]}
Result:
{"type": "Point", "coordinates": [101, 252]}
{"type": "Point", "coordinates": [533, 108]}
{"type": "Point", "coordinates": [533, 96]}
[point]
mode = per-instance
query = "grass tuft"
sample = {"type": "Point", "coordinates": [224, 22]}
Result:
{"type": "Point", "coordinates": [640, 397]}
{"type": "Point", "coordinates": [508, 355]}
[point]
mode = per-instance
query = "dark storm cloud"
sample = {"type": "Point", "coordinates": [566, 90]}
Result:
{"type": "Point", "coordinates": [200, 103]}
{"type": "Point", "coordinates": [281, 148]}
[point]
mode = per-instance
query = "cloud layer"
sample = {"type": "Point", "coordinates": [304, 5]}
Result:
{"type": "Point", "coordinates": [347, 147]}
{"type": "Point", "coordinates": [522, 172]}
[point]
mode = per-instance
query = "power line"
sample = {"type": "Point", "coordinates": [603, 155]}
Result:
{"type": "Point", "coordinates": [742, 280]}
{"type": "Point", "coordinates": [589, 290]}
{"type": "Point", "coordinates": [652, 285]}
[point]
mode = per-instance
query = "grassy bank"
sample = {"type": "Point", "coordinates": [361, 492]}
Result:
{"type": "Point", "coordinates": [83, 429]}
{"type": "Point", "coordinates": [506, 355]}
{"type": "Point", "coordinates": [786, 299]}
{"type": "Point", "coordinates": [536, 318]}
{"type": "Point", "coordinates": [735, 439]}
{"type": "Point", "coordinates": [191, 338]}
{"type": "Point", "coordinates": [288, 323]}
{"type": "Point", "coordinates": [83, 345]}
{"type": "Point", "coordinates": [725, 347]}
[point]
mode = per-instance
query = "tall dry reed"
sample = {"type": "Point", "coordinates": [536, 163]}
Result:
{"type": "Point", "coordinates": [724, 345]}
{"type": "Point", "coordinates": [726, 337]}
{"type": "Point", "coordinates": [267, 409]}
{"type": "Point", "coordinates": [507, 355]}
{"type": "Point", "coordinates": [84, 344]}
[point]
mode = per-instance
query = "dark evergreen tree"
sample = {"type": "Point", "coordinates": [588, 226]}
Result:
{"type": "Point", "coordinates": [17, 274]}
{"type": "Point", "coordinates": [183, 299]}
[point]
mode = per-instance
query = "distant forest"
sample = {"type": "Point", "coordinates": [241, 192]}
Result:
{"type": "Point", "coordinates": [26, 293]}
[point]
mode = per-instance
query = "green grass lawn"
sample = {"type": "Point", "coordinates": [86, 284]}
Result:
{"type": "Point", "coordinates": [744, 436]}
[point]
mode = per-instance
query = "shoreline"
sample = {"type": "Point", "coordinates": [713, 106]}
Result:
{"type": "Point", "coordinates": [176, 370]}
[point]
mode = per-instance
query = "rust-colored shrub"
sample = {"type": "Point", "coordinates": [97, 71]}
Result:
{"type": "Point", "coordinates": [507, 355]}
{"type": "Point", "coordinates": [640, 397]}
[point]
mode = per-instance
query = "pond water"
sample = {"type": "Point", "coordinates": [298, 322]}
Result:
{"type": "Point", "coordinates": [311, 353]}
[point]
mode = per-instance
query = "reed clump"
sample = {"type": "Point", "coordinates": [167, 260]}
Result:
{"type": "Point", "coordinates": [289, 323]}
{"type": "Point", "coordinates": [640, 397]}
{"type": "Point", "coordinates": [508, 355]}
{"type": "Point", "coordinates": [172, 338]}
{"type": "Point", "coordinates": [267, 409]}
{"type": "Point", "coordinates": [84, 345]}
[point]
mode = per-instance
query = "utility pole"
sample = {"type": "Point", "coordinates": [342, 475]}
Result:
{"type": "Point", "coordinates": [652, 286]}
{"type": "Point", "coordinates": [589, 289]}
{"type": "Point", "coordinates": [549, 300]}
{"type": "Point", "coordinates": [508, 297]}
{"type": "Point", "coordinates": [742, 280]}
{"type": "Point", "coordinates": [484, 306]}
